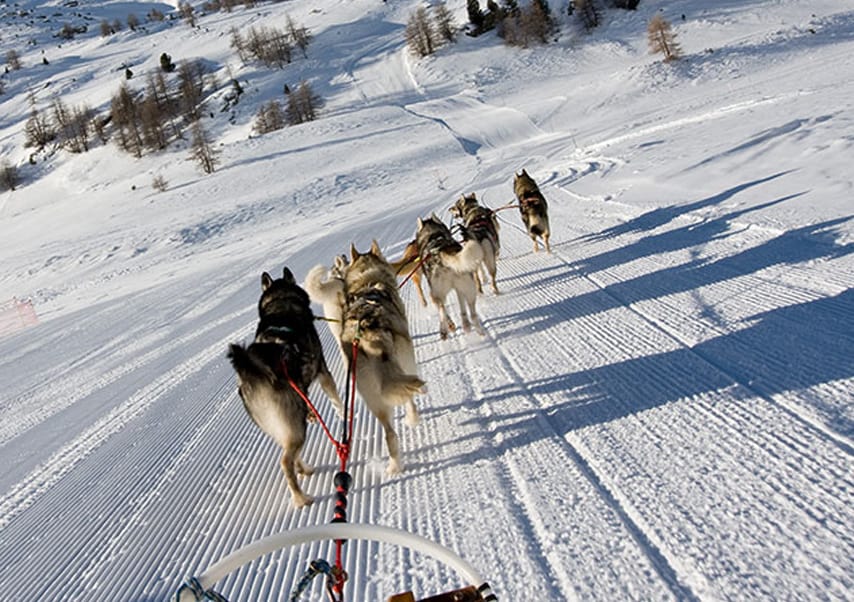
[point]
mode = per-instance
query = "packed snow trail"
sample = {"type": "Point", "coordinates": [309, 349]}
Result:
{"type": "Point", "coordinates": [599, 420]}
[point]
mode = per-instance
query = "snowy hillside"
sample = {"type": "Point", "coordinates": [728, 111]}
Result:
{"type": "Point", "coordinates": [661, 408]}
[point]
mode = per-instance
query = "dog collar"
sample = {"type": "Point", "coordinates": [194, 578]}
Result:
{"type": "Point", "coordinates": [278, 330]}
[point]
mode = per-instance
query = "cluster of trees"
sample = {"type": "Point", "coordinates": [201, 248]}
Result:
{"type": "Point", "coordinates": [148, 120]}
{"type": "Point", "coordinates": [109, 28]}
{"type": "Point", "coordinates": [69, 128]}
{"type": "Point", "coordinates": [138, 120]}
{"type": "Point", "coordinates": [428, 30]}
{"type": "Point", "coordinates": [521, 26]}
{"type": "Point", "coordinates": [271, 46]}
{"type": "Point", "coordinates": [301, 106]}
{"type": "Point", "coordinates": [518, 26]}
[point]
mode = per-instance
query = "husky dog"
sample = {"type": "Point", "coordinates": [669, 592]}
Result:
{"type": "Point", "coordinates": [373, 319]}
{"type": "Point", "coordinates": [479, 223]}
{"type": "Point", "coordinates": [449, 265]}
{"type": "Point", "coordinates": [534, 209]}
{"type": "Point", "coordinates": [286, 348]}
{"type": "Point", "coordinates": [407, 266]}
{"type": "Point", "coordinates": [326, 286]}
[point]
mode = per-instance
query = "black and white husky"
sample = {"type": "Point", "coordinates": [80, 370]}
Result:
{"type": "Point", "coordinates": [449, 266]}
{"type": "Point", "coordinates": [286, 350]}
{"type": "Point", "coordinates": [478, 223]}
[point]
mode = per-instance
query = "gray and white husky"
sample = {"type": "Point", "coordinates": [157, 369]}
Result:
{"type": "Point", "coordinates": [286, 348]}
{"type": "Point", "coordinates": [373, 319]}
{"type": "Point", "coordinates": [478, 223]}
{"type": "Point", "coordinates": [449, 266]}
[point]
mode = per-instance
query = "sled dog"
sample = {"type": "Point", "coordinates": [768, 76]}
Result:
{"type": "Point", "coordinates": [326, 286]}
{"type": "Point", "coordinates": [374, 321]}
{"type": "Point", "coordinates": [533, 208]}
{"type": "Point", "coordinates": [449, 265]}
{"type": "Point", "coordinates": [408, 267]}
{"type": "Point", "coordinates": [479, 223]}
{"type": "Point", "coordinates": [286, 346]}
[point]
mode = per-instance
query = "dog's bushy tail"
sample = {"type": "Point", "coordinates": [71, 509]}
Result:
{"type": "Point", "coordinates": [320, 288]}
{"type": "Point", "coordinates": [399, 388]}
{"type": "Point", "coordinates": [465, 260]}
{"type": "Point", "coordinates": [383, 379]}
{"type": "Point", "coordinates": [247, 366]}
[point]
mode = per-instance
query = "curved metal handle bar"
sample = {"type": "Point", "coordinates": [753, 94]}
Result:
{"type": "Point", "coordinates": [331, 531]}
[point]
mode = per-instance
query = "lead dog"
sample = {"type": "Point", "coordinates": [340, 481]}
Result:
{"type": "Point", "coordinates": [374, 321]}
{"type": "Point", "coordinates": [286, 347]}
{"type": "Point", "coordinates": [479, 224]}
{"type": "Point", "coordinates": [533, 208]}
{"type": "Point", "coordinates": [449, 265]}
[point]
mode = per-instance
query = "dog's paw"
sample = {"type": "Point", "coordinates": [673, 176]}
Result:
{"type": "Point", "coordinates": [412, 417]}
{"type": "Point", "coordinates": [302, 500]}
{"type": "Point", "coordinates": [394, 468]}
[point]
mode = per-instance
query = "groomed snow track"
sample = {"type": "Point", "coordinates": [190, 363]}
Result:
{"type": "Point", "coordinates": [658, 452]}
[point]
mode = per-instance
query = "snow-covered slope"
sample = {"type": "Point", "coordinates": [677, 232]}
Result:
{"type": "Point", "coordinates": [660, 409]}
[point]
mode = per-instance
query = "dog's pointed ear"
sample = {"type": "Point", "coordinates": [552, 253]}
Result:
{"type": "Point", "coordinates": [288, 276]}
{"type": "Point", "coordinates": [420, 224]}
{"type": "Point", "coordinates": [340, 261]}
{"type": "Point", "coordinates": [375, 248]}
{"type": "Point", "coordinates": [266, 281]}
{"type": "Point", "coordinates": [354, 254]}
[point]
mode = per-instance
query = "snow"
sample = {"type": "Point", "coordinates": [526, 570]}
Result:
{"type": "Point", "coordinates": [660, 409]}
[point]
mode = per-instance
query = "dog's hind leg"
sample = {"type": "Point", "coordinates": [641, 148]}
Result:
{"type": "Point", "coordinates": [327, 383]}
{"type": "Point", "coordinates": [467, 297]}
{"type": "Point", "coordinates": [290, 459]}
{"type": "Point", "coordinates": [406, 354]}
{"type": "Point", "coordinates": [392, 442]}
{"type": "Point", "coordinates": [546, 242]}
{"type": "Point", "coordinates": [490, 266]}
{"type": "Point", "coordinates": [445, 323]}
{"type": "Point", "coordinates": [464, 309]}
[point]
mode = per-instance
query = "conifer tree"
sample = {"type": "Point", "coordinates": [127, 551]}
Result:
{"type": "Point", "coordinates": [443, 22]}
{"type": "Point", "coordinates": [201, 149]}
{"type": "Point", "coordinates": [662, 39]}
{"type": "Point", "coordinates": [419, 33]}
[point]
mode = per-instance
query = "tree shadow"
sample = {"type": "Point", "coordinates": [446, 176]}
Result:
{"type": "Point", "coordinates": [787, 350]}
{"type": "Point", "coordinates": [799, 246]}
{"type": "Point", "coordinates": [661, 216]}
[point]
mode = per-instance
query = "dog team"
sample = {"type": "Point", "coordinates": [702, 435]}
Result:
{"type": "Point", "coordinates": [362, 304]}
